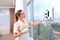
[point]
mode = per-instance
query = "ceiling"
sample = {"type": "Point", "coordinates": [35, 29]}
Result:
{"type": "Point", "coordinates": [7, 3]}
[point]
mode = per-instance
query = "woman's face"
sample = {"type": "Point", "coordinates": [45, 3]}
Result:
{"type": "Point", "coordinates": [22, 14]}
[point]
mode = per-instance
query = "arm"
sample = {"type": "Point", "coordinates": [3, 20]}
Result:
{"type": "Point", "coordinates": [16, 31]}
{"type": "Point", "coordinates": [21, 32]}
{"type": "Point", "coordinates": [57, 33]}
{"type": "Point", "coordinates": [18, 34]}
{"type": "Point", "coordinates": [36, 23]}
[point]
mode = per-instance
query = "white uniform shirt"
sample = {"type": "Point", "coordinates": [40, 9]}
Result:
{"type": "Point", "coordinates": [19, 24]}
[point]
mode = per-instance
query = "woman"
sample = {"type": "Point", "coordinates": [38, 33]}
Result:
{"type": "Point", "coordinates": [21, 26]}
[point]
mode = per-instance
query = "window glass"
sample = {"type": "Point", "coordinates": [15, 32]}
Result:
{"type": "Point", "coordinates": [28, 12]}
{"type": "Point", "coordinates": [28, 1]}
{"type": "Point", "coordinates": [4, 20]}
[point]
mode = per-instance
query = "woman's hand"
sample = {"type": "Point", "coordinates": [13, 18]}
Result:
{"type": "Point", "coordinates": [24, 31]}
{"type": "Point", "coordinates": [16, 34]}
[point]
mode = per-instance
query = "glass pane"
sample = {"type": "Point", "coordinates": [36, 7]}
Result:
{"type": "Point", "coordinates": [56, 28]}
{"type": "Point", "coordinates": [40, 6]}
{"type": "Point", "coordinates": [28, 12]}
{"type": "Point", "coordinates": [56, 13]}
{"type": "Point", "coordinates": [45, 31]}
{"type": "Point", "coordinates": [4, 21]}
{"type": "Point", "coordinates": [28, 1]}
{"type": "Point", "coordinates": [56, 5]}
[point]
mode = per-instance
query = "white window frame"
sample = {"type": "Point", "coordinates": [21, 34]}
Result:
{"type": "Point", "coordinates": [31, 10]}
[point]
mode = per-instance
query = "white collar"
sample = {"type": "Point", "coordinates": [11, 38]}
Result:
{"type": "Point", "coordinates": [21, 21]}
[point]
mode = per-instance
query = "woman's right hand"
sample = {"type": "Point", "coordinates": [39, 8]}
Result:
{"type": "Point", "coordinates": [19, 34]}
{"type": "Point", "coordinates": [16, 34]}
{"type": "Point", "coordinates": [24, 31]}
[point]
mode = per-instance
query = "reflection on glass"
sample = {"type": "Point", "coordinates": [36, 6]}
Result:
{"type": "Point", "coordinates": [28, 12]}
{"type": "Point", "coordinates": [56, 12]}
{"type": "Point", "coordinates": [45, 31]}
{"type": "Point", "coordinates": [28, 1]}
{"type": "Point", "coordinates": [4, 21]}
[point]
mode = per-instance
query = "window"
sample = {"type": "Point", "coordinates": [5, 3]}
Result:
{"type": "Point", "coordinates": [28, 12]}
{"type": "Point", "coordinates": [56, 6]}
{"type": "Point", "coordinates": [39, 7]}
{"type": "Point", "coordinates": [36, 11]}
{"type": "Point", "coordinates": [4, 20]}
{"type": "Point", "coordinates": [56, 12]}
{"type": "Point", "coordinates": [28, 1]}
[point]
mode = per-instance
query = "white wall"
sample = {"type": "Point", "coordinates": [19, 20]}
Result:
{"type": "Point", "coordinates": [19, 5]}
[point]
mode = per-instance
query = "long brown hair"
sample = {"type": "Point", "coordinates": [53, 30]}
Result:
{"type": "Point", "coordinates": [17, 14]}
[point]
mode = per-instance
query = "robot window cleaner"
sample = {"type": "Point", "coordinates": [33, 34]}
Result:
{"type": "Point", "coordinates": [47, 16]}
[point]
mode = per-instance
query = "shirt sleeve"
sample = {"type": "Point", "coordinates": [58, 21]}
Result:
{"type": "Point", "coordinates": [15, 29]}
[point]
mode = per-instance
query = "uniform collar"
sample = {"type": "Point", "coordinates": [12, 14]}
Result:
{"type": "Point", "coordinates": [21, 21]}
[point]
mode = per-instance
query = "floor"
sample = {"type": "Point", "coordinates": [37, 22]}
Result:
{"type": "Point", "coordinates": [6, 37]}
{"type": "Point", "coordinates": [9, 37]}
